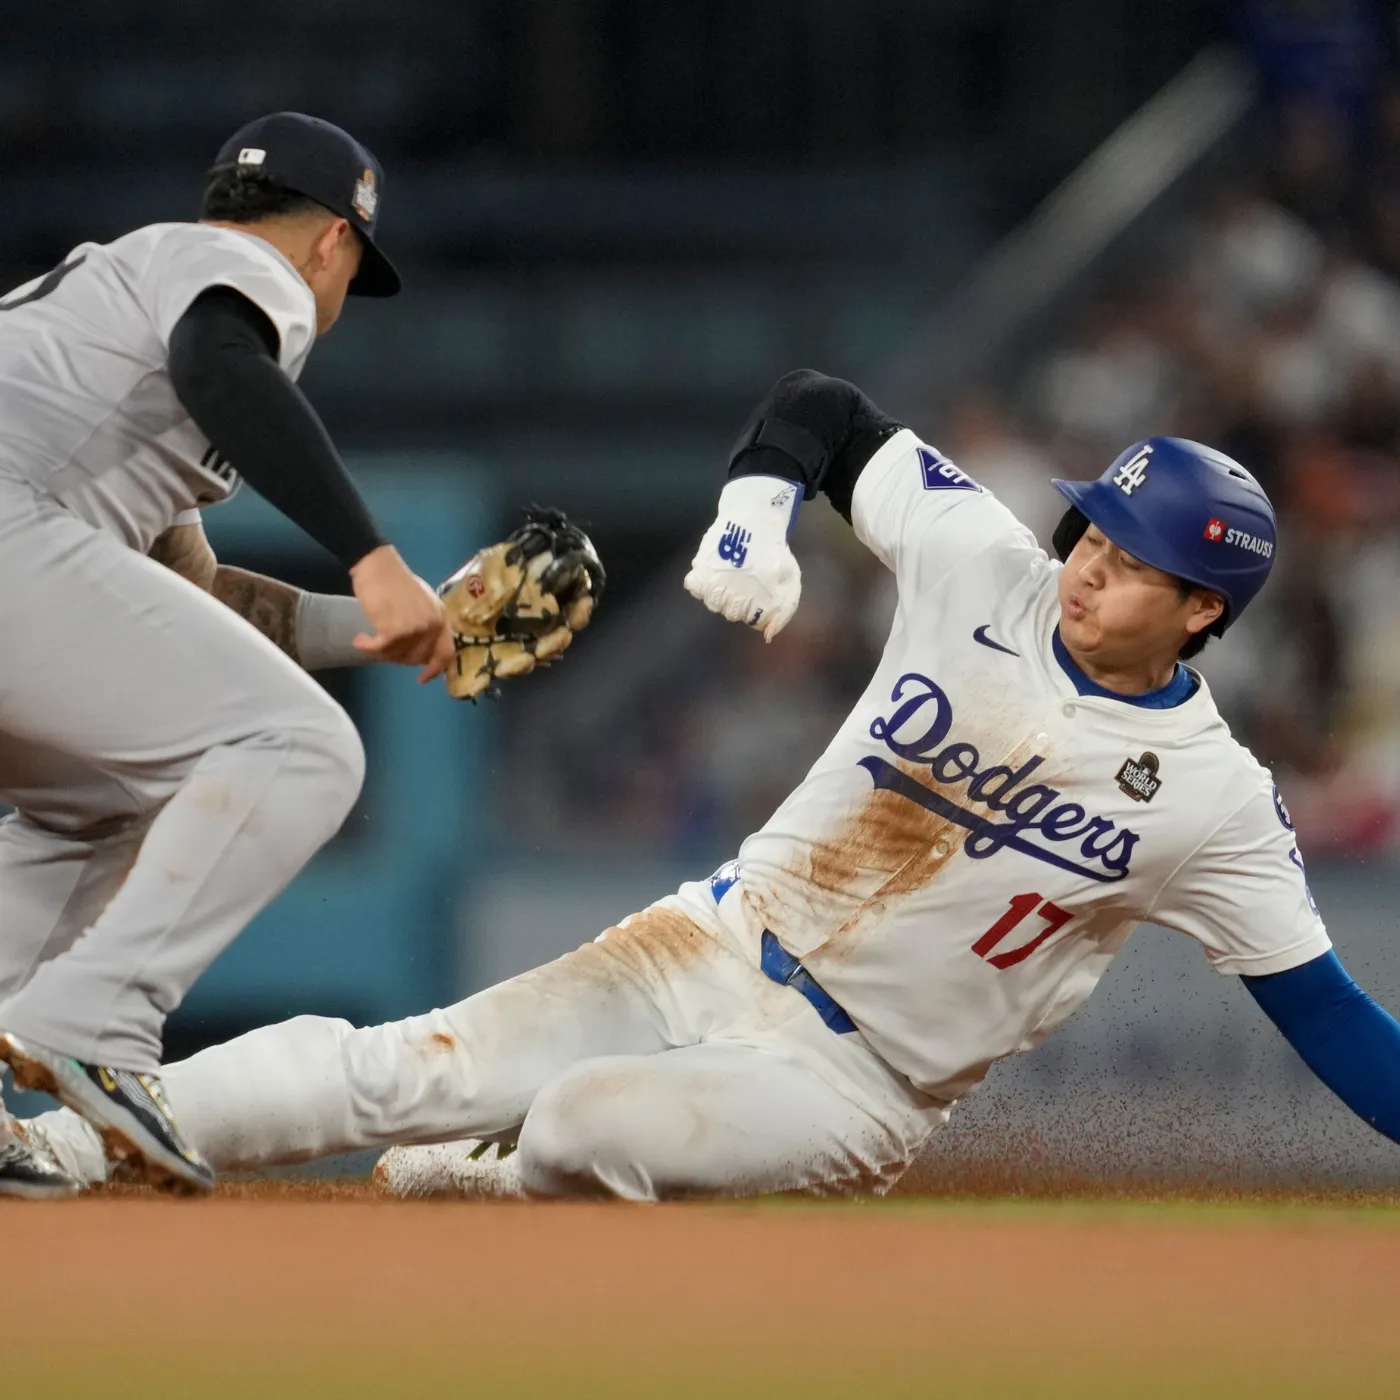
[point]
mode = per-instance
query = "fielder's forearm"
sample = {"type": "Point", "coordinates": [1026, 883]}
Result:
{"type": "Point", "coordinates": [813, 430]}
{"type": "Point", "coordinates": [317, 630]}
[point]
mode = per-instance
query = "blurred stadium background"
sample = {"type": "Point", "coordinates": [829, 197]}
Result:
{"type": "Point", "coordinates": [1035, 232]}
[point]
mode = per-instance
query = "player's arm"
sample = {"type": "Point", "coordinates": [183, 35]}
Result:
{"type": "Point", "coordinates": [184, 549]}
{"type": "Point", "coordinates": [1345, 1038]}
{"type": "Point", "coordinates": [317, 630]}
{"type": "Point", "coordinates": [810, 433]}
{"type": "Point", "coordinates": [223, 363]}
{"type": "Point", "coordinates": [512, 605]}
{"type": "Point", "coordinates": [814, 431]}
{"type": "Point", "coordinates": [1243, 895]}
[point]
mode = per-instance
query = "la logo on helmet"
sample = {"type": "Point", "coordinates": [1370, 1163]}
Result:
{"type": "Point", "coordinates": [1133, 472]}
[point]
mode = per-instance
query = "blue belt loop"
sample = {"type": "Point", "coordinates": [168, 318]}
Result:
{"type": "Point", "coordinates": [780, 965]}
{"type": "Point", "coordinates": [724, 879]}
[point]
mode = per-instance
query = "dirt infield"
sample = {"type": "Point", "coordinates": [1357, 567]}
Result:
{"type": "Point", "coordinates": [284, 1289]}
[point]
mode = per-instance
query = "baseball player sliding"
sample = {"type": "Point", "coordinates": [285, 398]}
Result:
{"type": "Point", "coordinates": [1031, 772]}
{"type": "Point", "coordinates": [172, 767]}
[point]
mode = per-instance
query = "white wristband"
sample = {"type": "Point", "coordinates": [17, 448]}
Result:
{"type": "Point", "coordinates": [765, 503]}
{"type": "Point", "coordinates": [327, 625]}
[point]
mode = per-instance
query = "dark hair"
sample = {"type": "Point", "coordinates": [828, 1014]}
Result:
{"type": "Point", "coordinates": [1195, 644]}
{"type": "Point", "coordinates": [1070, 531]}
{"type": "Point", "coordinates": [246, 197]}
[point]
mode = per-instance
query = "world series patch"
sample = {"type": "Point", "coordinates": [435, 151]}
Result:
{"type": "Point", "coordinates": [1138, 777]}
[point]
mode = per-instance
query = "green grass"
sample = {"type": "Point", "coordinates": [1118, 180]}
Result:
{"type": "Point", "coordinates": [1087, 1375]}
{"type": "Point", "coordinates": [1357, 1209]}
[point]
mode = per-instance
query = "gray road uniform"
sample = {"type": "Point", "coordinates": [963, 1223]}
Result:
{"type": "Point", "coordinates": [170, 768]}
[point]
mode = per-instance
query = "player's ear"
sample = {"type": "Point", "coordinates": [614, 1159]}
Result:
{"type": "Point", "coordinates": [1207, 608]}
{"type": "Point", "coordinates": [329, 240]}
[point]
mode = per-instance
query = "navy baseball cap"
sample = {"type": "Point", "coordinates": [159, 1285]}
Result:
{"type": "Point", "coordinates": [317, 159]}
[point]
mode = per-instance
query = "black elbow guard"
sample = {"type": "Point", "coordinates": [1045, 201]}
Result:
{"type": "Point", "coordinates": [784, 436]}
{"type": "Point", "coordinates": [814, 430]}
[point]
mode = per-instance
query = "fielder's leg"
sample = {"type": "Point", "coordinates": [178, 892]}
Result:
{"type": "Point", "coordinates": [52, 885]}
{"type": "Point", "coordinates": [245, 763]}
{"type": "Point", "coordinates": [58, 867]}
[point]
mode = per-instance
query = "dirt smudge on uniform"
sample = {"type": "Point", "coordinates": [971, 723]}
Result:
{"type": "Point", "coordinates": [656, 942]}
{"type": "Point", "coordinates": [661, 935]}
{"type": "Point", "coordinates": [899, 844]}
{"type": "Point", "coordinates": [210, 796]}
{"type": "Point", "coordinates": [122, 872]}
{"type": "Point", "coordinates": [884, 852]}
{"type": "Point", "coordinates": [434, 1045]}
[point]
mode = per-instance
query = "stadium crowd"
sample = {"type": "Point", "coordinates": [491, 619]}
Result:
{"type": "Point", "coordinates": [1272, 329]}
{"type": "Point", "coordinates": [1267, 322]}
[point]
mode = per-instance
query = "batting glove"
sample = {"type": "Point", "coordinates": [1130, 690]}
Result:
{"type": "Point", "coordinates": [744, 569]}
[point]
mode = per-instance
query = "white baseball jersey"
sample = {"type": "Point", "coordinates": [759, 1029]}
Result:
{"type": "Point", "coordinates": [87, 410]}
{"type": "Point", "coordinates": [961, 865]}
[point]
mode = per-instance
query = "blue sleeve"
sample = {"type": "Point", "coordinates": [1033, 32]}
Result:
{"type": "Point", "coordinates": [1349, 1042]}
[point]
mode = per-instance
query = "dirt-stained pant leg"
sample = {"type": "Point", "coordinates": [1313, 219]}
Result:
{"type": "Point", "coordinates": [655, 1061]}
{"type": "Point", "coordinates": [241, 763]}
{"type": "Point", "coordinates": [705, 1120]}
{"type": "Point", "coordinates": [313, 1086]}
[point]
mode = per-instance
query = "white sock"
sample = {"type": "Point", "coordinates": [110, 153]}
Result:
{"type": "Point", "coordinates": [468, 1168]}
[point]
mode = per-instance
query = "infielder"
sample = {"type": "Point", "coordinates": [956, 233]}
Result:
{"type": "Point", "coordinates": [1031, 772]}
{"type": "Point", "coordinates": [172, 767]}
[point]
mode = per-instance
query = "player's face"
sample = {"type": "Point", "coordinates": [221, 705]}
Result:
{"type": "Point", "coordinates": [1121, 614]}
{"type": "Point", "coordinates": [334, 261]}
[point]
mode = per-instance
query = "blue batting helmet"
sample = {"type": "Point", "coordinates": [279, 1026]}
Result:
{"type": "Point", "coordinates": [1188, 510]}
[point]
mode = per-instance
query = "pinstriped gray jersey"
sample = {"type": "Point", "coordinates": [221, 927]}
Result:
{"type": "Point", "coordinates": [87, 410]}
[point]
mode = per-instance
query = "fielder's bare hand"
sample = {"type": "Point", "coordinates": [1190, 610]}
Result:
{"type": "Point", "coordinates": [410, 626]}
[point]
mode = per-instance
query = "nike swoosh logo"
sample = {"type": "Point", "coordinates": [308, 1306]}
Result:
{"type": "Point", "coordinates": [980, 635]}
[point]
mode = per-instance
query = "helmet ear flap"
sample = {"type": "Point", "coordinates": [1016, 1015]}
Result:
{"type": "Point", "coordinates": [1069, 532]}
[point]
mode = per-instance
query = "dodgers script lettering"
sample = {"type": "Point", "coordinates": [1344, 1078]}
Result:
{"type": "Point", "coordinates": [1036, 821]}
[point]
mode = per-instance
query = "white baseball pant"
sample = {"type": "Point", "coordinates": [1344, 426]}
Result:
{"type": "Point", "coordinates": [657, 1062]}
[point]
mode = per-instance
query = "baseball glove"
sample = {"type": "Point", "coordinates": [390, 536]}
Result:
{"type": "Point", "coordinates": [516, 605]}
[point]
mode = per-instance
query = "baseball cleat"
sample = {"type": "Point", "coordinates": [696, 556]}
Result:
{"type": "Point", "coordinates": [470, 1169]}
{"type": "Point", "coordinates": [27, 1171]}
{"type": "Point", "coordinates": [127, 1109]}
